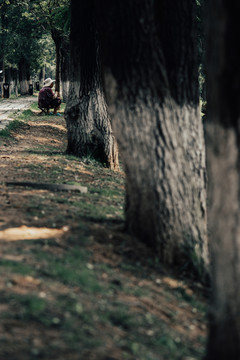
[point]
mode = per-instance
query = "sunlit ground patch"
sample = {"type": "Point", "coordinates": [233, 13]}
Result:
{"type": "Point", "coordinates": [30, 233]}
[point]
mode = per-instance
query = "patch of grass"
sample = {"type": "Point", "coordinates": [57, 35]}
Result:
{"type": "Point", "coordinates": [81, 338]}
{"type": "Point", "coordinates": [149, 336]}
{"type": "Point", "coordinates": [34, 106]}
{"type": "Point", "coordinates": [15, 267]}
{"type": "Point", "coordinates": [122, 317]}
{"type": "Point", "coordinates": [71, 157]}
{"type": "Point", "coordinates": [181, 293]}
{"type": "Point", "coordinates": [13, 96]}
{"type": "Point", "coordinates": [34, 167]}
{"type": "Point", "coordinates": [73, 270]}
{"type": "Point", "coordinates": [107, 192]}
{"type": "Point", "coordinates": [61, 200]}
{"type": "Point", "coordinates": [26, 115]}
{"type": "Point", "coordinates": [113, 178]}
{"type": "Point", "coordinates": [47, 150]}
{"type": "Point", "coordinates": [98, 211]}
{"type": "Point", "coordinates": [90, 160]}
{"type": "Point", "coordinates": [12, 126]}
{"type": "Point", "coordinates": [138, 292]}
{"type": "Point", "coordinates": [28, 307]}
{"type": "Point", "coordinates": [33, 307]}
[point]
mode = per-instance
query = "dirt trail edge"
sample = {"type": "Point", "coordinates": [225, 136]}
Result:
{"type": "Point", "coordinates": [73, 284]}
{"type": "Point", "coordinates": [9, 108]}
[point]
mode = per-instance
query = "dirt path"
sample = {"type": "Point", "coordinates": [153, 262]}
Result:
{"type": "Point", "coordinates": [73, 284]}
{"type": "Point", "coordinates": [9, 107]}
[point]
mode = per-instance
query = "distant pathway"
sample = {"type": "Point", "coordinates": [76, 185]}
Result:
{"type": "Point", "coordinates": [10, 106]}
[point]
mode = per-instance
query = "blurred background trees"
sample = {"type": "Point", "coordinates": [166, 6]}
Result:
{"type": "Point", "coordinates": [33, 39]}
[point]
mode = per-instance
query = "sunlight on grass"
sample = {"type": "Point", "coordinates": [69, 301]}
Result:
{"type": "Point", "coordinates": [30, 233]}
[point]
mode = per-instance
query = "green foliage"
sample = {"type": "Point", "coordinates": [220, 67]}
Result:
{"type": "Point", "coordinates": [52, 15]}
{"type": "Point", "coordinates": [26, 31]}
{"type": "Point", "coordinates": [20, 36]}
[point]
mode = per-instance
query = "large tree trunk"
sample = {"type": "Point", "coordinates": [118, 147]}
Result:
{"type": "Point", "coordinates": [65, 68]}
{"type": "Point", "coordinates": [222, 130]}
{"type": "Point", "coordinates": [56, 36]}
{"type": "Point", "coordinates": [88, 122]}
{"type": "Point", "coordinates": [152, 88]}
{"type": "Point", "coordinates": [23, 76]}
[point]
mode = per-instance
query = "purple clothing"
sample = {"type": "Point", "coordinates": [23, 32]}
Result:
{"type": "Point", "coordinates": [46, 98]}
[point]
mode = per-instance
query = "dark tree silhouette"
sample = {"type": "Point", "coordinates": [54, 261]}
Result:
{"type": "Point", "coordinates": [222, 134]}
{"type": "Point", "coordinates": [149, 54]}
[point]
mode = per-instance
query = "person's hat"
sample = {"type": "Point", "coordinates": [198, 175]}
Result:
{"type": "Point", "coordinates": [48, 82]}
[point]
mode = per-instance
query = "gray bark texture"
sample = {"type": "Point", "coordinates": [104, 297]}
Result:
{"type": "Point", "coordinates": [87, 118]}
{"type": "Point", "coordinates": [42, 76]}
{"type": "Point", "coordinates": [222, 136]}
{"type": "Point", "coordinates": [149, 55]}
{"type": "Point", "coordinates": [23, 76]}
{"type": "Point", "coordinates": [56, 36]}
{"type": "Point", "coordinates": [65, 67]}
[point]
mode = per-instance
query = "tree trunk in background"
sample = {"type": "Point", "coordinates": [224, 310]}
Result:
{"type": "Point", "coordinates": [222, 134]}
{"type": "Point", "coordinates": [8, 79]}
{"type": "Point", "coordinates": [151, 79]}
{"type": "Point", "coordinates": [65, 68]}
{"type": "Point", "coordinates": [88, 122]}
{"type": "Point", "coordinates": [42, 76]}
{"type": "Point", "coordinates": [2, 75]}
{"type": "Point", "coordinates": [23, 76]}
{"type": "Point", "coordinates": [15, 81]}
{"type": "Point", "coordinates": [2, 48]}
{"type": "Point", "coordinates": [57, 41]}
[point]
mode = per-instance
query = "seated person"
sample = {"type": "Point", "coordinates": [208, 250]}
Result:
{"type": "Point", "coordinates": [47, 99]}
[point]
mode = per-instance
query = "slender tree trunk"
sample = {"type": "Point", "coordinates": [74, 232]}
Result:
{"type": "Point", "coordinates": [223, 150]}
{"type": "Point", "coordinates": [8, 79]}
{"type": "Point", "coordinates": [23, 76]}
{"type": "Point", "coordinates": [2, 75]}
{"type": "Point", "coordinates": [88, 121]}
{"type": "Point", "coordinates": [15, 81]}
{"type": "Point", "coordinates": [42, 75]}
{"type": "Point", "coordinates": [151, 81]}
{"type": "Point", "coordinates": [57, 77]}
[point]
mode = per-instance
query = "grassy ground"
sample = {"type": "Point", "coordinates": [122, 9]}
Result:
{"type": "Point", "coordinates": [73, 284]}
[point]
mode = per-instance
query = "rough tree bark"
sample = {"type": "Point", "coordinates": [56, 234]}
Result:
{"type": "Point", "coordinates": [88, 122]}
{"type": "Point", "coordinates": [9, 79]}
{"type": "Point", "coordinates": [65, 68]}
{"type": "Point", "coordinates": [15, 81]}
{"type": "Point", "coordinates": [151, 82]}
{"type": "Point", "coordinates": [2, 46]}
{"type": "Point", "coordinates": [223, 150]}
{"type": "Point", "coordinates": [42, 75]}
{"type": "Point", "coordinates": [2, 75]}
{"type": "Point", "coordinates": [56, 36]}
